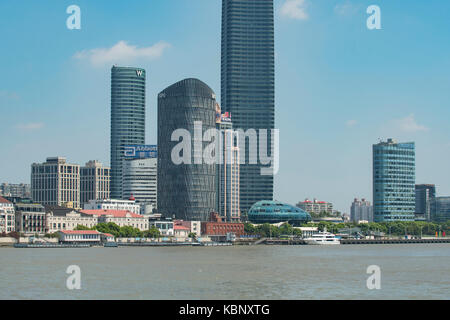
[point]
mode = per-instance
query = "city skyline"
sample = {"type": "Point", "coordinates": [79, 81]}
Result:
{"type": "Point", "coordinates": [318, 113]}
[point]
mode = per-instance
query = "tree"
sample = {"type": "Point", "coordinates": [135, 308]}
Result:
{"type": "Point", "coordinates": [153, 232]}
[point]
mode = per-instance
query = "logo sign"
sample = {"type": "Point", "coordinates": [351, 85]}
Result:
{"type": "Point", "coordinates": [139, 73]}
{"type": "Point", "coordinates": [140, 151]}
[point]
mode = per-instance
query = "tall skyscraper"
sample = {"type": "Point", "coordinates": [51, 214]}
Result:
{"type": "Point", "coordinates": [127, 118]}
{"type": "Point", "coordinates": [186, 189]}
{"type": "Point", "coordinates": [394, 181]}
{"type": "Point", "coordinates": [56, 182]}
{"type": "Point", "coordinates": [424, 194]}
{"type": "Point", "coordinates": [248, 83]}
{"type": "Point", "coordinates": [361, 210]}
{"type": "Point", "coordinates": [228, 184]}
{"type": "Point", "coordinates": [94, 181]}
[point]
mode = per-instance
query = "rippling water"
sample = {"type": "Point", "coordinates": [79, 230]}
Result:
{"type": "Point", "coordinates": [419, 271]}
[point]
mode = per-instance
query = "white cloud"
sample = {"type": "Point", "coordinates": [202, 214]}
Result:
{"type": "Point", "coordinates": [409, 124]}
{"type": "Point", "coordinates": [30, 126]}
{"type": "Point", "coordinates": [346, 8]}
{"type": "Point", "coordinates": [294, 9]}
{"type": "Point", "coordinates": [351, 123]}
{"type": "Point", "coordinates": [122, 52]}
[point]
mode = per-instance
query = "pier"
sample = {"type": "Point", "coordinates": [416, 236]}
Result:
{"type": "Point", "coordinates": [394, 241]}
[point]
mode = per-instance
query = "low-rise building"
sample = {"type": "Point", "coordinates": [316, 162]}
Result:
{"type": "Point", "coordinates": [80, 236]}
{"type": "Point", "coordinates": [120, 217]}
{"type": "Point", "coordinates": [60, 218]}
{"type": "Point", "coordinates": [217, 227]}
{"type": "Point", "coordinates": [30, 218]}
{"type": "Point", "coordinates": [181, 232]}
{"type": "Point", "coordinates": [193, 226]}
{"type": "Point", "coordinates": [165, 227]}
{"type": "Point", "coordinates": [316, 206]}
{"type": "Point", "coordinates": [7, 216]}
{"type": "Point", "coordinates": [113, 204]}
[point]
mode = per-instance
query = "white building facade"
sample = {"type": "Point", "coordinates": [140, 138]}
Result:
{"type": "Point", "coordinates": [361, 210]}
{"type": "Point", "coordinates": [139, 180]}
{"type": "Point", "coordinates": [112, 204]}
{"type": "Point", "coordinates": [7, 216]}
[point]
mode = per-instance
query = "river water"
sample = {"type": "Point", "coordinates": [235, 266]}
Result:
{"type": "Point", "coordinates": [408, 271]}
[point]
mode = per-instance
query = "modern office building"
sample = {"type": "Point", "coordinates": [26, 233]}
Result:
{"type": "Point", "coordinates": [315, 206]}
{"type": "Point", "coordinates": [15, 190]}
{"type": "Point", "coordinates": [248, 84]}
{"type": "Point", "coordinates": [275, 212]}
{"type": "Point", "coordinates": [94, 181]}
{"type": "Point", "coordinates": [139, 180]}
{"type": "Point", "coordinates": [440, 209]}
{"type": "Point", "coordinates": [186, 183]}
{"type": "Point", "coordinates": [361, 210]}
{"type": "Point", "coordinates": [127, 118]}
{"type": "Point", "coordinates": [394, 181]}
{"type": "Point", "coordinates": [228, 183]}
{"type": "Point", "coordinates": [424, 195]}
{"type": "Point", "coordinates": [56, 182]}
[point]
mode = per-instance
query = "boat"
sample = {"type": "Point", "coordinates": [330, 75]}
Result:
{"type": "Point", "coordinates": [325, 238]}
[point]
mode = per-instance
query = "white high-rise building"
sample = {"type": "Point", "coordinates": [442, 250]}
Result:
{"type": "Point", "coordinates": [361, 210]}
{"type": "Point", "coordinates": [139, 180]}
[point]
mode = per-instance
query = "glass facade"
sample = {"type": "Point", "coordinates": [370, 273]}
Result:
{"type": "Point", "coordinates": [187, 190]}
{"type": "Point", "coordinates": [275, 212]}
{"type": "Point", "coordinates": [248, 83]}
{"type": "Point", "coordinates": [393, 181]}
{"type": "Point", "coordinates": [440, 209]}
{"type": "Point", "coordinates": [424, 195]}
{"type": "Point", "coordinates": [127, 118]}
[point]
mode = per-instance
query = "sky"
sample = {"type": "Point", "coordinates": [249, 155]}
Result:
{"type": "Point", "coordinates": [340, 87]}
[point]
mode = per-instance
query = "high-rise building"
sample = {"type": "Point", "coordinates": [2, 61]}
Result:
{"type": "Point", "coordinates": [56, 182]}
{"type": "Point", "coordinates": [186, 183]}
{"type": "Point", "coordinates": [228, 170]}
{"type": "Point", "coordinates": [94, 181]}
{"type": "Point", "coordinates": [139, 178]}
{"type": "Point", "coordinates": [361, 210]}
{"type": "Point", "coordinates": [127, 118]}
{"type": "Point", "coordinates": [248, 84]}
{"type": "Point", "coordinates": [440, 209]}
{"type": "Point", "coordinates": [424, 194]}
{"type": "Point", "coordinates": [394, 181]}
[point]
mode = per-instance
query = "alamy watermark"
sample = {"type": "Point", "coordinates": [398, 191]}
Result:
{"type": "Point", "coordinates": [73, 282]}
{"type": "Point", "coordinates": [374, 281]}
{"type": "Point", "coordinates": [213, 153]}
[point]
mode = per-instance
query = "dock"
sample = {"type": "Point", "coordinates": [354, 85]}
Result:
{"type": "Point", "coordinates": [394, 241]}
{"type": "Point", "coordinates": [50, 245]}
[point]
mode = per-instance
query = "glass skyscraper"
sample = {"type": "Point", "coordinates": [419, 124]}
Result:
{"type": "Point", "coordinates": [440, 209]}
{"type": "Point", "coordinates": [248, 83]}
{"type": "Point", "coordinates": [127, 118]}
{"type": "Point", "coordinates": [425, 193]}
{"type": "Point", "coordinates": [186, 190]}
{"type": "Point", "coordinates": [393, 181]}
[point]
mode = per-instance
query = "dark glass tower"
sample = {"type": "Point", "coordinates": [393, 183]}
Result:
{"type": "Point", "coordinates": [186, 191]}
{"type": "Point", "coordinates": [248, 83]}
{"type": "Point", "coordinates": [127, 118]}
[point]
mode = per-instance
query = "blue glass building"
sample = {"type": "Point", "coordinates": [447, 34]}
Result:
{"type": "Point", "coordinates": [393, 181]}
{"type": "Point", "coordinates": [266, 211]}
{"type": "Point", "coordinates": [440, 209]}
{"type": "Point", "coordinates": [248, 83]}
{"type": "Point", "coordinates": [127, 118]}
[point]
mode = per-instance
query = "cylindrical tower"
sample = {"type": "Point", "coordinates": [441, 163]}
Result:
{"type": "Point", "coordinates": [187, 190]}
{"type": "Point", "coordinates": [127, 118]}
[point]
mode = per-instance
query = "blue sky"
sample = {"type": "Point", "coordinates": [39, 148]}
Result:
{"type": "Point", "coordinates": [339, 86]}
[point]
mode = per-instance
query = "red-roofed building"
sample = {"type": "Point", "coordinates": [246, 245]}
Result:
{"type": "Point", "coordinates": [316, 206]}
{"type": "Point", "coordinates": [181, 231]}
{"type": "Point", "coordinates": [120, 217]}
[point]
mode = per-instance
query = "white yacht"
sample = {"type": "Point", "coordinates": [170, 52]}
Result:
{"type": "Point", "coordinates": [323, 238]}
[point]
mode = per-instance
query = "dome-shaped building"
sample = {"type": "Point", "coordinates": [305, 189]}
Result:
{"type": "Point", "coordinates": [274, 212]}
